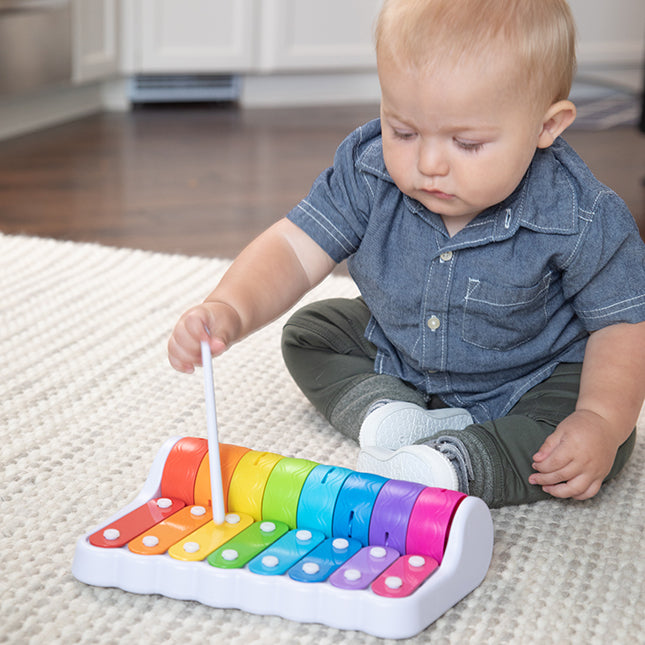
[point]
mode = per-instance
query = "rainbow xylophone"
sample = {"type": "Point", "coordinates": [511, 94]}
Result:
{"type": "Point", "coordinates": [304, 541]}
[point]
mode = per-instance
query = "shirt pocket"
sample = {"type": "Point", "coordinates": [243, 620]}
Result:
{"type": "Point", "coordinates": [502, 317]}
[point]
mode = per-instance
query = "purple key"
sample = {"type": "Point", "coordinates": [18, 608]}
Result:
{"type": "Point", "coordinates": [391, 513]}
{"type": "Point", "coordinates": [363, 568]}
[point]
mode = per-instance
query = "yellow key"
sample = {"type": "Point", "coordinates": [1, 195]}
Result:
{"type": "Point", "coordinates": [246, 492]}
{"type": "Point", "coordinates": [202, 542]}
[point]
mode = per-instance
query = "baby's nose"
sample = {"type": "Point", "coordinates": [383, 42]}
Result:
{"type": "Point", "coordinates": [432, 160]}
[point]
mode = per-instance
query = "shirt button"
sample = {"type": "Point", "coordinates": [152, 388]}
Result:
{"type": "Point", "coordinates": [446, 257]}
{"type": "Point", "coordinates": [433, 323]}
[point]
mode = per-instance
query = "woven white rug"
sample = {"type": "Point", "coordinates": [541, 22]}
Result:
{"type": "Point", "coordinates": [88, 398]}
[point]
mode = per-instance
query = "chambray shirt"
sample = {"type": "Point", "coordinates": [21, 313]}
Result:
{"type": "Point", "coordinates": [481, 317]}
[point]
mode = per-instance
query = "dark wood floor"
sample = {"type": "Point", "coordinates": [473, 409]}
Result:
{"type": "Point", "coordinates": [206, 180]}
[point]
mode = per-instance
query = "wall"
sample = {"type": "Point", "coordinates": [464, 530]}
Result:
{"type": "Point", "coordinates": [611, 41]}
{"type": "Point", "coordinates": [611, 54]}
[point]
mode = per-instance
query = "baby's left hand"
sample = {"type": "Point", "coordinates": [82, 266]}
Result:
{"type": "Point", "coordinates": [576, 458]}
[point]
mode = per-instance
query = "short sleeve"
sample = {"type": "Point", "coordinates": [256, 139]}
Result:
{"type": "Point", "coordinates": [606, 275]}
{"type": "Point", "coordinates": [335, 213]}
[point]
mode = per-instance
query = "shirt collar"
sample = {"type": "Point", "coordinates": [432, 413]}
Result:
{"type": "Point", "coordinates": [545, 200]}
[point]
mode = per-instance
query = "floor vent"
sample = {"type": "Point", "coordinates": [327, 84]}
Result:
{"type": "Point", "coordinates": [178, 88]}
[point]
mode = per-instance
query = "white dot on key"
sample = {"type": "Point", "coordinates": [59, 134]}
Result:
{"type": "Point", "coordinates": [198, 511]}
{"type": "Point", "coordinates": [164, 502]}
{"type": "Point", "coordinates": [340, 544]}
{"type": "Point", "coordinates": [191, 547]}
{"type": "Point", "coordinates": [111, 534]}
{"type": "Point", "coordinates": [230, 555]}
{"type": "Point", "coordinates": [378, 552]}
{"type": "Point", "coordinates": [416, 561]}
{"type": "Point", "coordinates": [303, 535]}
{"type": "Point", "coordinates": [352, 575]}
{"type": "Point", "coordinates": [150, 541]}
{"type": "Point", "coordinates": [267, 527]}
{"type": "Point", "coordinates": [270, 561]}
{"type": "Point", "coordinates": [310, 568]}
{"type": "Point", "coordinates": [232, 518]}
{"type": "Point", "coordinates": [393, 582]}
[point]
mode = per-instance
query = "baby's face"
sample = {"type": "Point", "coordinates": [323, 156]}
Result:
{"type": "Point", "coordinates": [457, 140]}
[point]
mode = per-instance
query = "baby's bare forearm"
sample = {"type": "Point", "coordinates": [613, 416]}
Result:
{"type": "Point", "coordinates": [267, 278]}
{"type": "Point", "coordinates": [270, 276]}
{"type": "Point", "coordinates": [612, 384]}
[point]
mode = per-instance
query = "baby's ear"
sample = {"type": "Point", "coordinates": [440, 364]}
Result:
{"type": "Point", "coordinates": [556, 120]}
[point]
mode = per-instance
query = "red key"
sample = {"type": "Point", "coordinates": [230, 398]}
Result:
{"type": "Point", "coordinates": [141, 519]}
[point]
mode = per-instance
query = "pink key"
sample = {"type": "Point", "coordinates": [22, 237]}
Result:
{"type": "Point", "coordinates": [430, 519]}
{"type": "Point", "coordinates": [404, 576]}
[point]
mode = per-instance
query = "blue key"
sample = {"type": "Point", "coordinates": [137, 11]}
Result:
{"type": "Point", "coordinates": [285, 552]}
{"type": "Point", "coordinates": [324, 560]}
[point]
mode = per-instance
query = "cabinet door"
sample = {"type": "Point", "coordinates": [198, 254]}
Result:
{"type": "Point", "coordinates": [311, 34]}
{"type": "Point", "coordinates": [195, 35]}
{"type": "Point", "coordinates": [95, 36]}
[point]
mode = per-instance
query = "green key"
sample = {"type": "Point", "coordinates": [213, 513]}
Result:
{"type": "Point", "coordinates": [247, 544]}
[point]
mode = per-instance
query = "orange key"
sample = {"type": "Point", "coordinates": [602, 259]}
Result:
{"type": "Point", "coordinates": [229, 456]}
{"type": "Point", "coordinates": [162, 536]}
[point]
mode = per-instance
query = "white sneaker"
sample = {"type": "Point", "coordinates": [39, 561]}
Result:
{"type": "Point", "coordinates": [420, 464]}
{"type": "Point", "coordinates": [399, 423]}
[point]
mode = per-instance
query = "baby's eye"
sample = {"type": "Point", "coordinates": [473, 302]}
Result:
{"type": "Point", "coordinates": [469, 146]}
{"type": "Point", "coordinates": [404, 135]}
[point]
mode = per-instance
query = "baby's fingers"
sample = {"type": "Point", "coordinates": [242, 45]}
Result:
{"type": "Point", "coordinates": [549, 477]}
{"type": "Point", "coordinates": [546, 449]}
{"type": "Point", "coordinates": [184, 345]}
{"type": "Point", "coordinates": [577, 488]}
{"type": "Point", "coordinates": [556, 461]}
{"type": "Point", "coordinates": [197, 324]}
{"type": "Point", "coordinates": [180, 358]}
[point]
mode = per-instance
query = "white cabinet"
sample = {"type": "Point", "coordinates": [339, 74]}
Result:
{"type": "Point", "coordinates": [194, 35]}
{"type": "Point", "coordinates": [256, 36]}
{"type": "Point", "coordinates": [313, 35]}
{"type": "Point", "coordinates": [95, 39]}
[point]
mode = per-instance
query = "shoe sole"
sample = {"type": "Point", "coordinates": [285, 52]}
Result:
{"type": "Point", "coordinates": [420, 464]}
{"type": "Point", "coordinates": [409, 425]}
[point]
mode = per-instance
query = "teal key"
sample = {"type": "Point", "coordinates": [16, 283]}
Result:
{"type": "Point", "coordinates": [285, 552]}
{"type": "Point", "coordinates": [247, 544]}
{"type": "Point", "coordinates": [320, 563]}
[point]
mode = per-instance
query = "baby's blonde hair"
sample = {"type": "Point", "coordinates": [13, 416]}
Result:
{"type": "Point", "coordinates": [539, 35]}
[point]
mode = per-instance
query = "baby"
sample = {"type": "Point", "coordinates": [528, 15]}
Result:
{"type": "Point", "coordinates": [497, 347]}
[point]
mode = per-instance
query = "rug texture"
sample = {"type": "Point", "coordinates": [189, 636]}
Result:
{"type": "Point", "coordinates": [88, 398]}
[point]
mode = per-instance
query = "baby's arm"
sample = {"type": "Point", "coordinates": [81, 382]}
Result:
{"type": "Point", "coordinates": [575, 459]}
{"type": "Point", "coordinates": [268, 277]}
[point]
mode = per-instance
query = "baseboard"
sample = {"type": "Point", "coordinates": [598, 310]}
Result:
{"type": "Point", "coordinates": [40, 110]}
{"type": "Point", "coordinates": [293, 90]}
{"type": "Point", "coordinates": [27, 114]}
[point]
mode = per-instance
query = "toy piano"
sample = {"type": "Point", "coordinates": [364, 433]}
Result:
{"type": "Point", "coordinates": [308, 542]}
{"type": "Point", "coordinates": [232, 527]}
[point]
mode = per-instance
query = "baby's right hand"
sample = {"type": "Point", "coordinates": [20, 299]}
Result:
{"type": "Point", "coordinates": [215, 322]}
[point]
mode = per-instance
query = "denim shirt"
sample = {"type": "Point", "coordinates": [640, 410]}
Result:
{"type": "Point", "coordinates": [481, 317]}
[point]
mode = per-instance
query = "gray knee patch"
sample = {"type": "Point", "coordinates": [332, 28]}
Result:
{"type": "Point", "coordinates": [456, 451]}
{"type": "Point", "coordinates": [471, 460]}
{"type": "Point", "coordinates": [348, 411]}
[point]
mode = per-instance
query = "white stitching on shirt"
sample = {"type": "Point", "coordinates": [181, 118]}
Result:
{"type": "Point", "coordinates": [610, 310]}
{"type": "Point", "coordinates": [330, 231]}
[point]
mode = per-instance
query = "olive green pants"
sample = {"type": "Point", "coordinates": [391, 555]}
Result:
{"type": "Point", "coordinates": [333, 364]}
